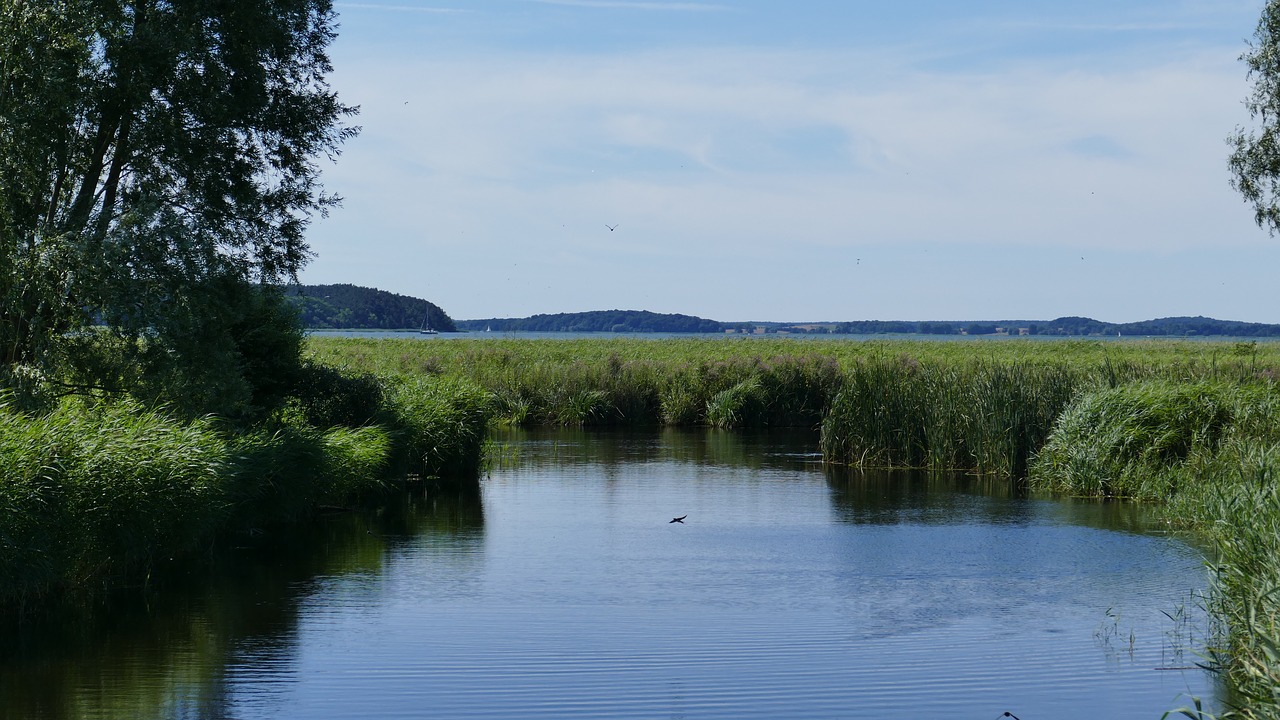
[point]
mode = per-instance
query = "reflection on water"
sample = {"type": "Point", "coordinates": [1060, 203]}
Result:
{"type": "Point", "coordinates": [558, 588]}
{"type": "Point", "coordinates": [175, 650]}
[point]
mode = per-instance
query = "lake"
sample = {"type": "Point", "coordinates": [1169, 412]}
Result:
{"type": "Point", "coordinates": [559, 588]}
{"type": "Point", "coordinates": [852, 337]}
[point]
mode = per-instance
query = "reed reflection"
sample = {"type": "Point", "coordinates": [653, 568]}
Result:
{"type": "Point", "coordinates": [175, 648]}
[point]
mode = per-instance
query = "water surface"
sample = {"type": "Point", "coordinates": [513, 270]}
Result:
{"type": "Point", "coordinates": [560, 589]}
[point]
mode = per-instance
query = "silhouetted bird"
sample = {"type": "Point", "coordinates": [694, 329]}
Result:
{"type": "Point", "coordinates": [611, 227]}
{"type": "Point", "coordinates": [679, 519]}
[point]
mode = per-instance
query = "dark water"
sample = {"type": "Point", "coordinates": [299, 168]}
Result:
{"type": "Point", "coordinates": [560, 589]}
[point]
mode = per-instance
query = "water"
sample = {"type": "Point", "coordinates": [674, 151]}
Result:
{"type": "Point", "coordinates": [735, 337]}
{"type": "Point", "coordinates": [560, 589]}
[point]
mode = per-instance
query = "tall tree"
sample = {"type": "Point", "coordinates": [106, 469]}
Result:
{"type": "Point", "coordinates": [156, 155]}
{"type": "Point", "coordinates": [1255, 161]}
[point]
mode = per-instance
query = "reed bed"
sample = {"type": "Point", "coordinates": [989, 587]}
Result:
{"type": "Point", "coordinates": [94, 493]}
{"type": "Point", "coordinates": [985, 406]}
{"type": "Point", "coordinates": [1209, 451]}
{"type": "Point", "coordinates": [978, 415]}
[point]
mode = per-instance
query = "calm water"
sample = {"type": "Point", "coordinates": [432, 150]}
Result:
{"type": "Point", "coordinates": [881, 337]}
{"type": "Point", "coordinates": [560, 589]}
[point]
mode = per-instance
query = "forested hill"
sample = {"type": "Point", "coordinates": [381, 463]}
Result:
{"type": "Point", "coordinates": [1177, 326]}
{"type": "Point", "coordinates": [1071, 326]}
{"type": "Point", "coordinates": [641, 321]}
{"type": "Point", "coordinates": [598, 321]}
{"type": "Point", "coordinates": [355, 307]}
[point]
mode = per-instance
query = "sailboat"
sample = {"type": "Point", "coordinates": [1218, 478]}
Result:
{"type": "Point", "coordinates": [426, 326]}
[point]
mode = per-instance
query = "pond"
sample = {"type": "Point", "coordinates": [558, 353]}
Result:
{"type": "Point", "coordinates": [560, 588]}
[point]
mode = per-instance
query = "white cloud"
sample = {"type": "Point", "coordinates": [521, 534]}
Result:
{"type": "Point", "coordinates": [747, 160]}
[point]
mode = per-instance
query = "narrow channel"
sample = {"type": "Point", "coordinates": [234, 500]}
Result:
{"type": "Point", "coordinates": [560, 588]}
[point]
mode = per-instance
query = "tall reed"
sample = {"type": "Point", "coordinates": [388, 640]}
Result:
{"type": "Point", "coordinates": [89, 493]}
{"type": "Point", "coordinates": [1209, 451]}
{"type": "Point", "coordinates": [1133, 440]}
{"type": "Point", "coordinates": [979, 415]}
{"type": "Point", "coordinates": [92, 493]}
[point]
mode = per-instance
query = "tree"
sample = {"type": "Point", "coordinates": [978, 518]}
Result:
{"type": "Point", "coordinates": [1255, 161]}
{"type": "Point", "coordinates": [154, 155]}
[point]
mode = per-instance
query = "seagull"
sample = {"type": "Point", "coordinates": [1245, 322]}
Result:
{"type": "Point", "coordinates": [679, 519]}
{"type": "Point", "coordinates": [611, 227]}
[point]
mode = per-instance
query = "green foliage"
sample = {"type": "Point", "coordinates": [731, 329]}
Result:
{"type": "Point", "coordinates": [1255, 160]}
{"type": "Point", "coordinates": [328, 396]}
{"type": "Point", "coordinates": [977, 415]}
{"type": "Point", "coordinates": [157, 162]}
{"type": "Point", "coordinates": [1246, 593]}
{"type": "Point", "coordinates": [93, 491]}
{"type": "Point", "coordinates": [1210, 451]}
{"type": "Point", "coordinates": [1128, 440]}
{"type": "Point", "coordinates": [438, 426]}
{"type": "Point", "coordinates": [599, 321]}
{"type": "Point", "coordinates": [352, 306]}
{"type": "Point", "coordinates": [241, 363]}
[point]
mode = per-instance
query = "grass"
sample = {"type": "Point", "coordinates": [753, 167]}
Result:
{"type": "Point", "coordinates": [94, 493]}
{"type": "Point", "coordinates": [1209, 452]}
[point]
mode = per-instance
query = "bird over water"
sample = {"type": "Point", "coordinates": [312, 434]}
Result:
{"type": "Point", "coordinates": [679, 519]}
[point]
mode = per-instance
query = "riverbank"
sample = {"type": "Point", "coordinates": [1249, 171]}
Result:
{"type": "Point", "coordinates": [1191, 426]}
{"type": "Point", "coordinates": [96, 493]}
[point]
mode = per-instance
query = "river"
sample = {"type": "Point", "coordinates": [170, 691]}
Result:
{"type": "Point", "coordinates": [560, 588]}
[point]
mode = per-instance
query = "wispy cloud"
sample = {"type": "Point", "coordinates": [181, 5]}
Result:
{"type": "Point", "coordinates": [637, 5]}
{"type": "Point", "coordinates": [400, 8]}
{"type": "Point", "coordinates": [1077, 181]}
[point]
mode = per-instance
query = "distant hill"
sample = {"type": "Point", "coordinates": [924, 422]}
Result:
{"type": "Point", "coordinates": [354, 307]}
{"type": "Point", "coordinates": [359, 308]}
{"type": "Point", "coordinates": [631, 321]}
{"type": "Point", "coordinates": [641, 321]}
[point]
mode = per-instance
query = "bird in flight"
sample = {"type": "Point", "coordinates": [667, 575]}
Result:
{"type": "Point", "coordinates": [611, 227]}
{"type": "Point", "coordinates": [679, 519]}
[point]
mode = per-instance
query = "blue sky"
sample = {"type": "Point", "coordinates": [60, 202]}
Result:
{"type": "Point", "coordinates": [801, 160]}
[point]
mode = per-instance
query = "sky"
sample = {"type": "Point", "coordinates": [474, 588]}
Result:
{"type": "Point", "coordinates": [798, 160]}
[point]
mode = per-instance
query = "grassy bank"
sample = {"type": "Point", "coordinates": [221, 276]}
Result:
{"type": "Point", "coordinates": [94, 493]}
{"type": "Point", "coordinates": [1210, 453]}
{"type": "Point", "coordinates": [985, 406]}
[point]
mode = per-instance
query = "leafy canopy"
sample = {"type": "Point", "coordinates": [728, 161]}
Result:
{"type": "Point", "coordinates": [1255, 160]}
{"type": "Point", "coordinates": [159, 160]}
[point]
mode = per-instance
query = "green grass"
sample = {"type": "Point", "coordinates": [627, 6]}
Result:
{"type": "Point", "coordinates": [93, 493]}
{"type": "Point", "coordinates": [1209, 452]}
{"type": "Point", "coordinates": [89, 493]}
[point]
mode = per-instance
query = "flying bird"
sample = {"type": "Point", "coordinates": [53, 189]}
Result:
{"type": "Point", "coordinates": [679, 519]}
{"type": "Point", "coordinates": [611, 227]}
